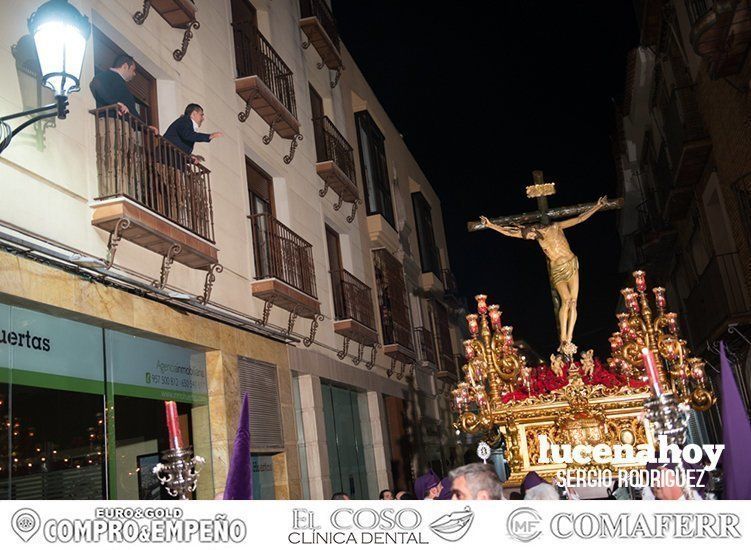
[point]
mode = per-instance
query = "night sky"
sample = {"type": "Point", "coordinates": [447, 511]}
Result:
{"type": "Point", "coordinates": [484, 94]}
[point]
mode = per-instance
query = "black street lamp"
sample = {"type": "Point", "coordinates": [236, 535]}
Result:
{"type": "Point", "coordinates": [60, 33]}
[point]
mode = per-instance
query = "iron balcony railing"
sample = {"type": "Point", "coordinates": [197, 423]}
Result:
{"type": "Point", "coordinates": [256, 56]}
{"type": "Point", "coordinates": [697, 9]}
{"type": "Point", "coordinates": [426, 344]}
{"type": "Point", "coordinates": [392, 299]}
{"type": "Point", "coordinates": [319, 9]}
{"type": "Point", "coordinates": [717, 297]}
{"type": "Point", "coordinates": [282, 254]}
{"type": "Point", "coordinates": [332, 145]}
{"type": "Point", "coordinates": [134, 162]}
{"type": "Point", "coordinates": [352, 298]}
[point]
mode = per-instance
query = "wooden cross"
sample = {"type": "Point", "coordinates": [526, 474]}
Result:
{"type": "Point", "coordinates": [541, 191]}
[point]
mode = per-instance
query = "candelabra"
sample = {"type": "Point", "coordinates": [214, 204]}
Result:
{"type": "Point", "coordinates": [178, 471]}
{"type": "Point", "coordinates": [639, 328]}
{"type": "Point", "coordinates": [493, 368]}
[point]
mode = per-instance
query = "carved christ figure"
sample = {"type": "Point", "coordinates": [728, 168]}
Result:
{"type": "Point", "coordinates": [563, 264]}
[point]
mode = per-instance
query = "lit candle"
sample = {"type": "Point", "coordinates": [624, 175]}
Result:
{"type": "Point", "coordinates": [650, 366]}
{"type": "Point", "coordinates": [623, 323]}
{"type": "Point", "coordinates": [495, 316]}
{"type": "Point", "coordinates": [482, 305]}
{"type": "Point", "coordinates": [469, 351]}
{"type": "Point", "coordinates": [508, 335]}
{"type": "Point", "coordinates": [472, 323]}
{"type": "Point", "coordinates": [641, 281]}
{"type": "Point", "coordinates": [173, 425]}
{"type": "Point", "coordinates": [672, 322]}
{"type": "Point", "coordinates": [660, 297]}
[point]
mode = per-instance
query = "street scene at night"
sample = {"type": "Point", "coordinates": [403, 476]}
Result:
{"type": "Point", "coordinates": [311, 251]}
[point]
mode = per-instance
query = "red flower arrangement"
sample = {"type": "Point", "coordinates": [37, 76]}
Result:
{"type": "Point", "coordinates": [543, 381]}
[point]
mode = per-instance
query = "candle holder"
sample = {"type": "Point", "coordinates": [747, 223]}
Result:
{"type": "Point", "coordinates": [656, 329]}
{"type": "Point", "coordinates": [669, 418]}
{"type": "Point", "coordinates": [178, 471]}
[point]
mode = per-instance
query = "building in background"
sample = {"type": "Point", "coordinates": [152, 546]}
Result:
{"type": "Point", "coordinates": [303, 261]}
{"type": "Point", "coordinates": [685, 170]}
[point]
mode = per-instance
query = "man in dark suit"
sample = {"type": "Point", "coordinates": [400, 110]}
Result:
{"type": "Point", "coordinates": [111, 87]}
{"type": "Point", "coordinates": [184, 134]}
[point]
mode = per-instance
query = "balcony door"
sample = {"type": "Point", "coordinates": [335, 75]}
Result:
{"type": "Point", "coordinates": [261, 197]}
{"type": "Point", "coordinates": [143, 85]}
{"type": "Point", "coordinates": [335, 266]}
{"type": "Point", "coordinates": [244, 23]}
{"type": "Point", "coordinates": [316, 108]}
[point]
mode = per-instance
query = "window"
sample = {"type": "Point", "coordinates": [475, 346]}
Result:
{"type": "Point", "coordinates": [245, 25]}
{"type": "Point", "coordinates": [260, 189]}
{"type": "Point", "coordinates": [374, 167]}
{"type": "Point", "coordinates": [335, 269]}
{"type": "Point", "coordinates": [392, 299]}
{"type": "Point", "coordinates": [429, 256]}
{"type": "Point", "coordinates": [143, 85]}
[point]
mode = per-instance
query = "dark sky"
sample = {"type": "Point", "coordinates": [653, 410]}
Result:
{"type": "Point", "coordinates": [487, 92]}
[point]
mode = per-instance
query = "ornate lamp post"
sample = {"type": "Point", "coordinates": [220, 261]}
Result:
{"type": "Point", "coordinates": [60, 33]}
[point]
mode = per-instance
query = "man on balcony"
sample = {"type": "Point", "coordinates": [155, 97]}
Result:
{"type": "Point", "coordinates": [111, 88]}
{"type": "Point", "coordinates": [184, 134]}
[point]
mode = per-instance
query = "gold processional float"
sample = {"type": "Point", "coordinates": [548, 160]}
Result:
{"type": "Point", "coordinates": [573, 402]}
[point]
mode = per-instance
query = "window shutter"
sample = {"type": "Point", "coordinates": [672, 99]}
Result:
{"type": "Point", "coordinates": [392, 299]}
{"type": "Point", "coordinates": [259, 381]}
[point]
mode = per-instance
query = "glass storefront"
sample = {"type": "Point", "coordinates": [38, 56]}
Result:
{"type": "Point", "coordinates": [59, 379]}
{"type": "Point", "coordinates": [344, 438]}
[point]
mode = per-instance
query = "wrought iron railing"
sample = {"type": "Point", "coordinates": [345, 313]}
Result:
{"type": "Point", "coordinates": [282, 254]}
{"type": "Point", "coordinates": [134, 162]}
{"type": "Point", "coordinates": [717, 296]}
{"type": "Point", "coordinates": [426, 345]}
{"type": "Point", "coordinates": [256, 56]}
{"type": "Point", "coordinates": [697, 9]}
{"type": "Point", "coordinates": [392, 299]}
{"type": "Point", "coordinates": [332, 145]}
{"type": "Point", "coordinates": [352, 298]}
{"type": "Point", "coordinates": [319, 9]}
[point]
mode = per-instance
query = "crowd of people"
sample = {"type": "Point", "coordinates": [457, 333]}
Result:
{"type": "Point", "coordinates": [478, 481]}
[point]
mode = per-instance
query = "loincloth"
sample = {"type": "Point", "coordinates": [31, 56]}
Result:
{"type": "Point", "coordinates": [564, 271]}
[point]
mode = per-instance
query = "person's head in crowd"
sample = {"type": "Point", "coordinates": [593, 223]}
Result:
{"type": "Point", "coordinates": [386, 494]}
{"type": "Point", "coordinates": [340, 496]}
{"type": "Point", "coordinates": [428, 486]}
{"type": "Point", "coordinates": [515, 495]}
{"type": "Point", "coordinates": [536, 488]}
{"type": "Point", "coordinates": [125, 66]}
{"type": "Point", "coordinates": [405, 495]}
{"type": "Point", "coordinates": [475, 482]}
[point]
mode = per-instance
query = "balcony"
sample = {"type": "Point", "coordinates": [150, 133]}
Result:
{"type": "Point", "coordinates": [425, 342]}
{"type": "Point", "coordinates": [319, 25]}
{"type": "Point", "coordinates": [353, 308]}
{"type": "Point", "coordinates": [265, 83]}
{"type": "Point", "coordinates": [151, 193]}
{"type": "Point", "coordinates": [393, 309]}
{"type": "Point", "coordinates": [335, 164]}
{"type": "Point", "coordinates": [718, 299]}
{"type": "Point", "coordinates": [688, 147]}
{"type": "Point", "coordinates": [654, 238]}
{"type": "Point", "coordinates": [284, 267]}
{"type": "Point", "coordinates": [180, 14]}
{"type": "Point", "coordinates": [720, 33]}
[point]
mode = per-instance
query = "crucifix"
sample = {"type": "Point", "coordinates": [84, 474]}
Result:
{"type": "Point", "coordinates": [543, 227]}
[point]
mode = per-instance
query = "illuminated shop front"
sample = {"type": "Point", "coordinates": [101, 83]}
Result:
{"type": "Point", "coordinates": [82, 409]}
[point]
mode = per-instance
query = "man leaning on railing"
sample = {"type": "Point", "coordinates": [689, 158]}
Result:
{"type": "Point", "coordinates": [184, 134]}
